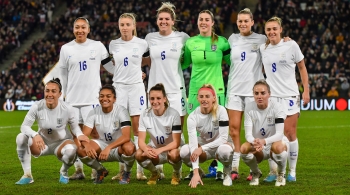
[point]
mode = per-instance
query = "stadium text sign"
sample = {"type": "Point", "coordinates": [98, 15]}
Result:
{"type": "Point", "coordinates": [13, 104]}
{"type": "Point", "coordinates": [327, 104]}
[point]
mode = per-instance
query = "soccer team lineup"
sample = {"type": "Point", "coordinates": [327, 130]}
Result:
{"type": "Point", "coordinates": [83, 123]}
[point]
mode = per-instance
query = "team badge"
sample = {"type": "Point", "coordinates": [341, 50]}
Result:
{"type": "Point", "coordinates": [255, 48]}
{"type": "Point", "coordinates": [213, 47]}
{"type": "Point", "coordinates": [59, 121]}
{"type": "Point", "coordinates": [173, 47]}
{"type": "Point", "coordinates": [167, 130]}
{"type": "Point", "coordinates": [283, 55]}
{"type": "Point", "coordinates": [215, 123]}
{"type": "Point", "coordinates": [92, 54]}
{"type": "Point", "coordinates": [116, 125]}
{"type": "Point", "coordinates": [190, 106]}
{"type": "Point", "coordinates": [269, 120]}
{"type": "Point", "coordinates": [135, 50]}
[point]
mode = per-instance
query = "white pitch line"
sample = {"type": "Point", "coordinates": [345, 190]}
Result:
{"type": "Point", "coordinates": [9, 127]}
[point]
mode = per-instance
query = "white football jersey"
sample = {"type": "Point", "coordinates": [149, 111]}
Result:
{"type": "Point", "coordinates": [83, 63]}
{"type": "Point", "coordinates": [108, 125]}
{"type": "Point", "coordinates": [160, 128]}
{"type": "Point", "coordinates": [52, 122]}
{"type": "Point", "coordinates": [212, 132]}
{"type": "Point", "coordinates": [128, 57]}
{"type": "Point", "coordinates": [165, 53]}
{"type": "Point", "coordinates": [279, 63]}
{"type": "Point", "coordinates": [262, 122]}
{"type": "Point", "coordinates": [246, 65]}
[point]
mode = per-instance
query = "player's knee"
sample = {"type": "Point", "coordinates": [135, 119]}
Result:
{"type": "Point", "coordinates": [138, 155]}
{"type": "Point", "coordinates": [185, 152]}
{"type": "Point", "coordinates": [277, 147]}
{"type": "Point", "coordinates": [81, 152]}
{"type": "Point", "coordinates": [174, 155]}
{"type": "Point", "coordinates": [245, 148]}
{"type": "Point", "coordinates": [225, 153]}
{"type": "Point", "coordinates": [22, 140]}
{"type": "Point", "coordinates": [128, 148]}
{"type": "Point", "coordinates": [69, 153]}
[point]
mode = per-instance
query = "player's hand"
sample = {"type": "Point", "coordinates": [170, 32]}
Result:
{"type": "Point", "coordinates": [196, 179]}
{"type": "Point", "coordinates": [285, 39]}
{"type": "Point", "coordinates": [143, 75]}
{"type": "Point", "coordinates": [306, 97]}
{"type": "Point", "coordinates": [104, 154]}
{"type": "Point", "coordinates": [83, 138]}
{"type": "Point", "coordinates": [38, 140]}
{"type": "Point", "coordinates": [90, 152]}
{"type": "Point", "coordinates": [155, 152]}
{"type": "Point", "coordinates": [258, 144]}
{"type": "Point", "coordinates": [196, 153]}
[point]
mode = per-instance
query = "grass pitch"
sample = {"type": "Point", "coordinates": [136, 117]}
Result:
{"type": "Point", "coordinates": [323, 165]}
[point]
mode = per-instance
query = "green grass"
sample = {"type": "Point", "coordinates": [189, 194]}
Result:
{"type": "Point", "coordinates": [323, 165]}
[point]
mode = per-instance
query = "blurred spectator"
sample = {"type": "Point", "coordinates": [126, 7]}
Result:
{"type": "Point", "coordinates": [333, 92]}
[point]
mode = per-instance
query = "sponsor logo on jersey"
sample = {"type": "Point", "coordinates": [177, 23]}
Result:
{"type": "Point", "coordinates": [116, 125]}
{"type": "Point", "coordinates": [167, 130]}
{"type": "Point", "coordinates": [173, 47]}
{"type": "Point", "coordinates": [92, 54]}
{"type": "Point", "coordinates": [214, 47]}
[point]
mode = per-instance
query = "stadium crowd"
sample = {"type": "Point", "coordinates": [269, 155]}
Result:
{"type": "Point", "coordinates": [319, 27]}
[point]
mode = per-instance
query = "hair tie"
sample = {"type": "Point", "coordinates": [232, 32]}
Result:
{"type": "Point", "coordinates": [208, 89]}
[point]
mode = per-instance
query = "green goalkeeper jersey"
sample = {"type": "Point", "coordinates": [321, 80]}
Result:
{"type": "Point", "coordinates": [206, 59]}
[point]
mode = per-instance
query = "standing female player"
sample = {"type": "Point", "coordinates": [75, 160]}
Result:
{"type": "Point", "coordinates": [245, 69]}
{"type": "Point", "coordinates": [127, 53]}
{"type": "Point", "coordinates": [53, 138]}
{"type": "Point", "coordinates": [206, 52]}
{"type": "Point", "coordinates": [210, 121]}
{"type": "Point", "coordinates": [264, 123]}
{"type": "Point", "coordinates": [279, 60]}
{"type": "Point", "coordinates": [163, 125]}
{"type": "Point", "coordinates": [79, 65]}
{"type": "Point", "coordinates": [166, 49]}
{"type": "Point", "coordinates": [112, 123]}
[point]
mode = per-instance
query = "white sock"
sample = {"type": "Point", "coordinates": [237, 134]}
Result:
{"type": "Point", "coordinates": [251, 161]}
{"type": "Point", "coordinates": [121, 167]}
{"type": "Point", "coordinates": [147, 164]}
{"type": "Point", "coordinates": [293, 156]}
{"type": "Point", "coordinates": [128, 161]}
{"type": "Point", "coordinates": [68, 157]}
{"type": "Point", "coordinates": [185, 155]}
{"type": "Point", "coordinates": [93, 163]}
{"type": "Point", "coordinates": [176, 166]}
{"type": "Point", "coordinates": [235, 161]}
{"type": "Point", "coordinates": [139, 168]}
{"type": "Point", "coordinates": [273, 166]}
{"type": "Point", "coordinates": [24, 154]}
{"type": "Point", "coordinates": [78, 165]}
{"type": "Point", "coordinates": [281, 160]}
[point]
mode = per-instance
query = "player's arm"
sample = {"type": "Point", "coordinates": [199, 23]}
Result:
{"type": "Point", "coordinates": [125, 137]}
{"type": "Point", "coordinates": [186, 58]}
{"type": "Point", "coordinates": [305, 80]}
{"type": "Point", "coordinates": [279, 125]}
{"type": "Point", "coordinates": [176, 134]}
{"type": "Point", "coordinates": [248, 126]}
{"type": "Point", "coordinates": [226, 51]}
{"type": "Point", "coordinates": [142, 134]}
{"type": "Point", "coordinates": [27, 124]}
{"type": "Point", "coordinates": [146, 59]}
{"type": "Point", "coordinates": [74, 126]}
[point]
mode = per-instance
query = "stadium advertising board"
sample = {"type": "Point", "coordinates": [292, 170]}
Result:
{"type": "Point", "coordinates": [327, 104]}
{"type": "Point", "coordinates": [13, 104]}
{"type": "Point", "coordinates": [314, 104]}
